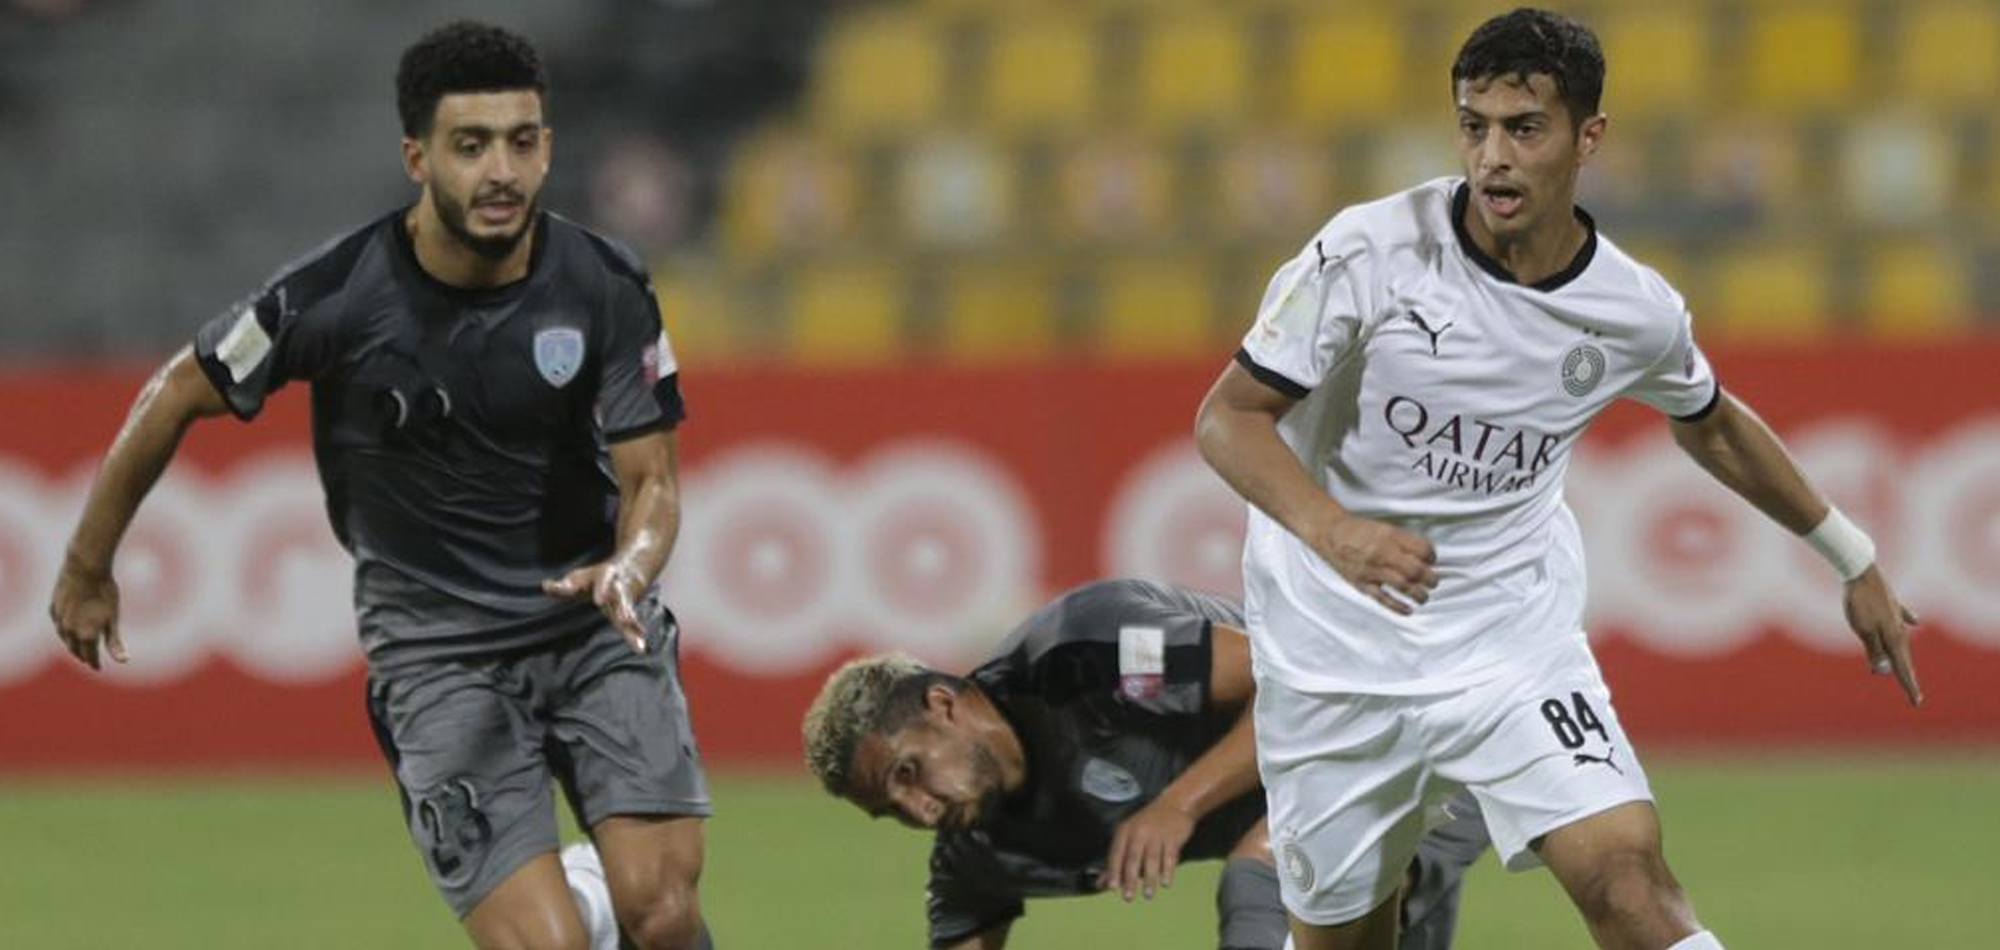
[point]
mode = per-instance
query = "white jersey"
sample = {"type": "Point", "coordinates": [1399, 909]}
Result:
{"type": "Point", "coordinates": [1440, 396]}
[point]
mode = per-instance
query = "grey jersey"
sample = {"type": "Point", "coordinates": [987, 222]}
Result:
{"type": "Point", "coordinates": [1107, 687]}
{"type": "Point", "coordinates": [461, 435]}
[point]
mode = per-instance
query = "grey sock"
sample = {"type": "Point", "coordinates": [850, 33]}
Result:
{"type": "Point", "coordinates": [1249, 915]}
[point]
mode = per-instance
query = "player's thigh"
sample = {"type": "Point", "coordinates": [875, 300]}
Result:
{"type": "Point", "coordinates": [467, 757]}
{"type": "Point", "coordinates": [620, 736]}
{"type": "Point", "coordinates": [1376, 930]}
{"type": "Point", "coordinates": [1255, 843]}
{"type": "Point", "coordinates": [531, 909]}
{"type": "Point", "coordinates": [1539, 749]}
{"type": "Point", "coordinates": [1346, 785]}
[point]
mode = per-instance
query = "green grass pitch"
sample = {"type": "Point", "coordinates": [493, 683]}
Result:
{"type": "Point", "coordinates": [1777, 852]}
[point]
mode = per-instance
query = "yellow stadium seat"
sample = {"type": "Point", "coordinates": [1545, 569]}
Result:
{"type": "Point", "coordinates": [1040, 73]}
{"type": "Point", "coordinates": [1347, 65]}
{"type": "Point", "coordinates": [1656, 60]}
{"type": "Point", "coordinates": [1155, 308]}
{"type": "Point", "coordinates": [704, 321]}
{"type": "Point", "coordinates": [1270, 184]}
{"type": "Point", "coordinates": [1896, 170]}
{"type": "Point", "coordinates": [786, 190]}
{"type": "Point", "coordinates": [955, 190]}
{"type": "Point", "coordinates": [1194, 69]}
{"type": "Point", "coordinates": [845, 313]}
{"type": "Point", "coordinates": [1768, 292]}
{"type": "Point", "coordinates": [1948, 54]}
{"type": "Point", "coordinates": [883, 70]}
{"type": "Point", "coordinates": [1802, 58]}
{"type": "Point", "coordinates": [998, 311]}
{"type": "Point", "coordinates": [1916, 289]}
{"type": "Point", "coordinates": [1112, 188]}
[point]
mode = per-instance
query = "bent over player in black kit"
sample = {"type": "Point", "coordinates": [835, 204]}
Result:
{"type": "Point", "coordinates": [1106, 740]}
{"type": "Point", "coordinates": [494, 405]}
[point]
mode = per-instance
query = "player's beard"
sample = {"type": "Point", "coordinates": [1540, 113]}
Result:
{"type": "Point", "coordinates": [986, 773]}
{"type": "Point", "coordinates": [454, 214]}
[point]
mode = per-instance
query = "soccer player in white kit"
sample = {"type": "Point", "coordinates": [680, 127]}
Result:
{"type": "Point", "coordinates": [1401, 417]}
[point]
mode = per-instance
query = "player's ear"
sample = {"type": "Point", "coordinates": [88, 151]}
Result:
{"type": "Point", "coordinates": [1590, 136]}
{"type": "Point", "coordinates": [413, 161]}
{"type": "Point", "coordinates": [941, 701]}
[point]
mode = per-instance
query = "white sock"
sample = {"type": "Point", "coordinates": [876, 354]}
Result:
{"type": "Point", "coordinates": [1699, 940]}
{"type": "Point", "coordinates": [585, 872]}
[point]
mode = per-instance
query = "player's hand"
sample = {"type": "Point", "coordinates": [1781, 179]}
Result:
{"type": "Point", "coordinates": [1145, 850]}
{"type": "Point", "coordinates": [614, 587]}
{"type": "Point", "coordinates": [1393, 566]}
{"type": "Point", "coordinates": [85, 610]}
{"type": "Point", "coordinates": [1883, 624]}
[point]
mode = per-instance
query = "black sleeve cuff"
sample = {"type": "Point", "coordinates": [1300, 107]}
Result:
{"type": "Point", "coordinates": [1271, 378]}
{"type": "Point", "coordinates": [218, 376]}
{"type": "Point", "coordinates": [1714, 399]}
{"type": "Point", "coordinates": [628, 434]}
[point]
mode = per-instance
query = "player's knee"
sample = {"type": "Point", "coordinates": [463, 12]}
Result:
{"type": "Point", "coordinates": [1632, 890]}
{"type": "Point", "coordinates": [671, 920]}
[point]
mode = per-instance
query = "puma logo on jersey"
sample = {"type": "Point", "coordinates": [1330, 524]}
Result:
{"type": "Point", "coordinates": [1582, 759]}
{"type": "Point", "coordinates": [1425, 326]}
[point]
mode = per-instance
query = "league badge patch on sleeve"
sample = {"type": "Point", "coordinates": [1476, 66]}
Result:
{"type": "Point", "coordinates": [244, 346]}
{"type": "Point", "coordinates": [1142, 662]}
{"type": "Point", "coordinates": [558, 354]}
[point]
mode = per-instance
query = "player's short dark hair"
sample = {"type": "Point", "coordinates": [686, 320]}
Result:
{"type": "Point", "coordinates": [463, 56]}
{"type": "Point", "coordinates": [1527, 41]}
{"type": "Point", "coordinates": [878, 695]}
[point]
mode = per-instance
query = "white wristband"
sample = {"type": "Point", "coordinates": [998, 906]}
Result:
{"type": "Point", "coordinates": [1845, 546]}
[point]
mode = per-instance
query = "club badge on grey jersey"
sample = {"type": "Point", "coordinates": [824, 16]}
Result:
{"type": "Point", "coordinates": [1107, 782]}
{"type": "Point", "coordinates": [558, 354]}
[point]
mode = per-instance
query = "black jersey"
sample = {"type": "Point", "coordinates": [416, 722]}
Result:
{"type": "Point", "coordinates": [461, 434]}
{"type": "Point", "coordinates": [1107, 688]}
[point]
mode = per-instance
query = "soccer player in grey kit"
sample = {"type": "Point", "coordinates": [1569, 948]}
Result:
{"type": "Point", "coordinates": [1106, 740]}
{"type": "Point", "coordinates": [494, 408]}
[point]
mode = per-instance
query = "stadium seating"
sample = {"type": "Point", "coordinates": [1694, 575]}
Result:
{"type": "Point", "coordinates": [1040, 74]}
{"type": "Point", "coordinates": [1948, 55]}
{"type": "Point", "coordinates": [1344, 65]}
{"type": "Point", "coordinates": [1916, 288]}
{"type": "Point", "coordinates": [1790, 164]}
{"type": "Point", "coordinates": [999, 310]}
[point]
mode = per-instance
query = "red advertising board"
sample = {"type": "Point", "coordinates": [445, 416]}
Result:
{"type": "Point", "coordinates": [833, 512]}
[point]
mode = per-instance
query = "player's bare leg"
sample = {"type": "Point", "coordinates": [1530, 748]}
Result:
{"type": "Point", "coordinates": [1613, 868]}
{"type": "Point", "coordinates": [1255, 843]}
{"type": "Point", "coordinates": [652, 864]}
{"type": "Point", "coordinates": [530, 910]}
{"type": "Point", "coordinates": [1375, 931]}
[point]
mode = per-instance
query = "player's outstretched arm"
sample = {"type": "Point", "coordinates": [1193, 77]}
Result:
{"type": "Point", "coordinates": [649, 518]}
{"type": "Point", "coordinates": [1147, 846]}
{"type": "Point", "coordinates": [84, 604]}
{"type": "Point", "coordinates": [1237, 430]}
{"type": "Point", "coordinates": [1736, 447]}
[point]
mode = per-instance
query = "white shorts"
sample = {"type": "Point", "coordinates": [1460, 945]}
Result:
{"type": "Point", "coordinates": [1355, 780]}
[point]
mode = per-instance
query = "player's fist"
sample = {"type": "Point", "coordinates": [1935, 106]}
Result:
{"type": "Point", "coordinates": [84, 607]}
{"type": "Point", "coordinates": [1394, 567]}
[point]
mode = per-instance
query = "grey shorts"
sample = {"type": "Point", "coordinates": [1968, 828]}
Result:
{"type": "Point", "coordinates": [475, 743]}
